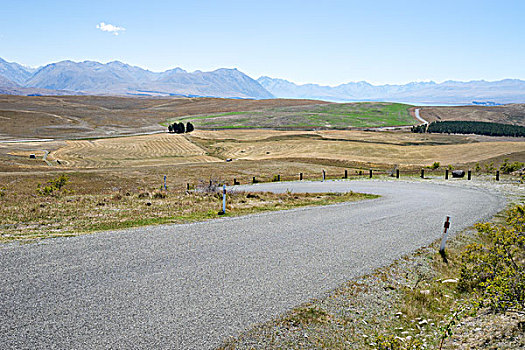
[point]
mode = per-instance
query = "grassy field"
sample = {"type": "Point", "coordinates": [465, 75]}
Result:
{"type": "Point", "coordinates": [339, 116]}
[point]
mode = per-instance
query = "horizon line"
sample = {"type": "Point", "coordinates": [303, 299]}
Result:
{"type": "Point", "coordinates": [104, 62]}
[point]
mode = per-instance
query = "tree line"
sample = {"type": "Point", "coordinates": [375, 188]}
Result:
{"type": "Point", "coordinates": [179, 128]}
{"type": "Point", "coordinates": [470, 127]}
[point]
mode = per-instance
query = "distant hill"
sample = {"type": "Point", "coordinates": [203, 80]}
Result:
{"type": "Point", "coordinates": [15, 72]}
{"type": "Point", "coordinates": [449, 92]}
{"type": "Point", "coordinates": [507, 114]}
{"type": "Point", "coordinates": [117, 78]}
{"type": "Point", "coordinates": [8, 87]}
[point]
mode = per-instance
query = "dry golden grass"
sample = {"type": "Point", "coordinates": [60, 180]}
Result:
{"type": "Point", "coordinates": [157, 149]}
{"type": "Point", "coordinates": [65, 213]}
{"type": "Point", "coordinates": [354, 151]}
{"type": "Point", "coordinates": [342, 148]}
{"type": "Point", "coordinates": [397, 138]}
{"type": "Point", "coordinates": [359, 146]}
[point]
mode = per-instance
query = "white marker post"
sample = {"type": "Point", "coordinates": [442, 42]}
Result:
{"type": "Point", "coordinates": [444, 240]}
{"type": "Point", "coordinates": [224, 199]}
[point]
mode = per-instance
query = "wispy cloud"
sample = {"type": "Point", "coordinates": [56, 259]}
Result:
{"type": "Point", "coordinates": [106, 27]}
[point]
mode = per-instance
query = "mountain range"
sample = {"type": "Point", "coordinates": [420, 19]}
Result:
{"type": "Point", "coordinates": [448, 92]}
{"type": "Point", "coordinates": [117, 78]}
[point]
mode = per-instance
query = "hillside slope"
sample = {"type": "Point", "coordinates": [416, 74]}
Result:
{"type": "Point", "coordinates": [15, 72]}
{"type": "Point", "coordinates": [508, 114]}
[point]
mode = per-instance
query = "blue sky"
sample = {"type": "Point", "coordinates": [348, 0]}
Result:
{"type": "Point", "coordinates": [326, 42]}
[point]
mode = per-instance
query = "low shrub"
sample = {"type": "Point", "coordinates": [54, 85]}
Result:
{"type": "Point", "coordinates": [477, 169]}
{"type": "Point", "coordinates": [495, 270]}
{"type": "Point", "coordinates": [393, 342]}
{"type": "Point", "coordinates": [144, 194]}
{"type": "Point", "coordinates": [52, 186]}
{"type": "Point", "coordinates": [507, 168]}
{"type": "Point", "coordinates": [434, 166]}
{"type": "Point", "coordinates": [159, 195]}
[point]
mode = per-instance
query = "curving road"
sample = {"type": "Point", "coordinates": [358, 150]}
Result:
{"type": "Point", "coordinates": [190, 286]}
{"type": "Point", "coordinates": [416, 114]}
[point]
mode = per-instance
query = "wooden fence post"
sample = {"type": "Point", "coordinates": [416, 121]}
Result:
{"type": "Point", "coordinates": [223, 211]}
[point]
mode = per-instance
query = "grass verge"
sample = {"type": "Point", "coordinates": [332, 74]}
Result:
{"type": "Point", "coordinates": [55, 211]}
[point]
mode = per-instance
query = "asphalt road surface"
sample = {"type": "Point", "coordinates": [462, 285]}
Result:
{"type": "Point", "coordinates": [191, 286]}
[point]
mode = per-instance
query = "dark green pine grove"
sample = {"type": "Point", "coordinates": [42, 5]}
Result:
{"type": "Point", "coordinates": [471, 127]}
{"type": "Point", "coordinates": [179, 128]}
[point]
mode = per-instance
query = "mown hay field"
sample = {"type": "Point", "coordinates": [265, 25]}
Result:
{"type": "Point", "coordinates": [157, 149]}
{"type": "Point", "coordinates": [205, 146]}
{"type": "Point", "coordinates": [355, 146]}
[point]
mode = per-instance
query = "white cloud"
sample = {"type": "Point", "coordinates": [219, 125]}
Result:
{"type": "Point", "coordinates": [105, 27]}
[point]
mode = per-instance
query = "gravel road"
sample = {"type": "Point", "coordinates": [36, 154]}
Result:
{"type": "Point", "coordinates": [191, 286]}
{"type": "Point", "coordinates": [416, 114]}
